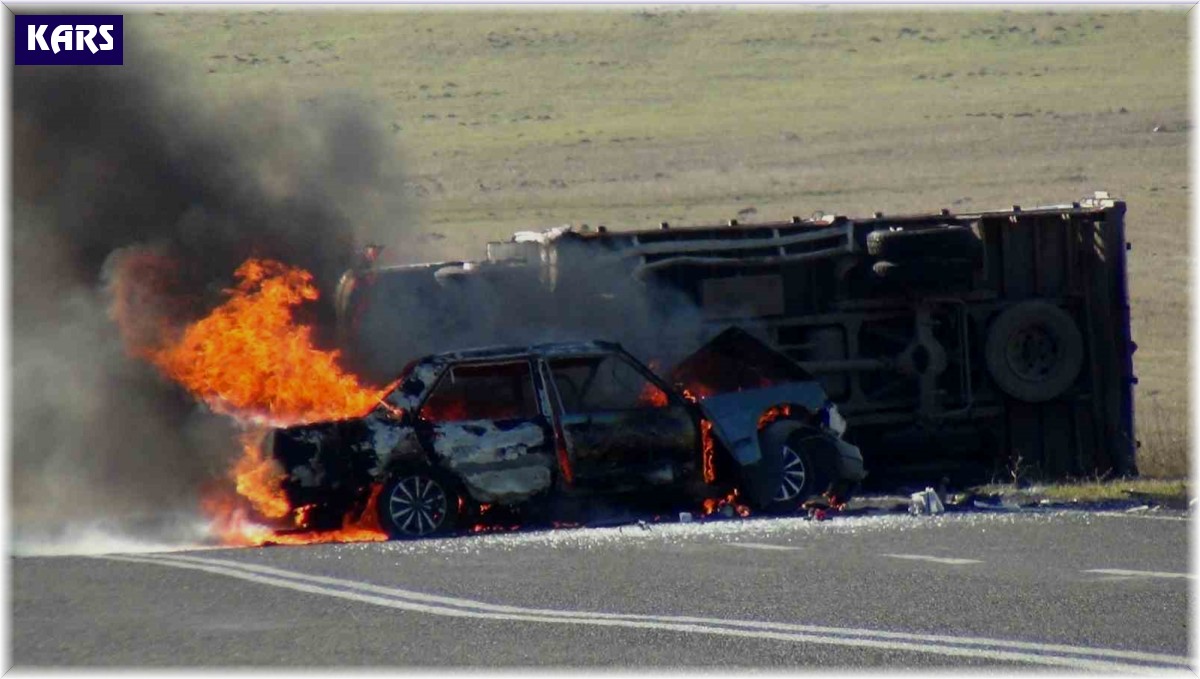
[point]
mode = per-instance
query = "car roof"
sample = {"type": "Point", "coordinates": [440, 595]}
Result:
{"type": "Point", "coordinates": [524, 351]}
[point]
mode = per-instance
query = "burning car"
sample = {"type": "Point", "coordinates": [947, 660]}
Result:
{"type": "Point", "coordinates": [516, 426]}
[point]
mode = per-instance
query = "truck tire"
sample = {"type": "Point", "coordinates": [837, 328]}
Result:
{"type": "Point", "coordinates": [906, 244]}
{"type": "Point", "coordinates": [926, 271]}
{"type": "Point", "coordinates": [797, 463]}
{"type": "Point", "coordinates": [1034, 351]}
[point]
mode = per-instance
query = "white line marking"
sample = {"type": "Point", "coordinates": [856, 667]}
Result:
{"type": "Point", "coordinates": [437, 605]}
{"type": "Point", "coordinates": [763, 546]}
{"type": "Point", "coordinates": [949, 561]}
{"type": "Point", "coordinates": [1143, 516]}
{"type": "Point", "coordinates": [1139, 574]}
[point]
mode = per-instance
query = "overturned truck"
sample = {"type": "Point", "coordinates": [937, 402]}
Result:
{"type": "Point", "coordinates": [976, 346]}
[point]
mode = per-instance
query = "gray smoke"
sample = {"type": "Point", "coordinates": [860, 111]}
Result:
{"type": "Point", "coordinates": [109, 163]}
{"type": "Point", "coordinates": [119, 166]}
{"type": "Point", "coordinates": [404, 316]}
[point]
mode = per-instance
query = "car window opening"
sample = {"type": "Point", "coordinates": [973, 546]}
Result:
{"type": "Point", "coordinates": [496, 391]}
{"type": "Point", "coordinates": [603, 383]}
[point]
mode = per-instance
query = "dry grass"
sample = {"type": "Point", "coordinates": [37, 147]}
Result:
{"type": "Point", "coordinates": [1171, 493]}
{"type": "Point", "coordinates": [515, 120]}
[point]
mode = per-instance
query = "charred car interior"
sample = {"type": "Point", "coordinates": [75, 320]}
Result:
{"type": "Point", "coordinates": [540, 427]}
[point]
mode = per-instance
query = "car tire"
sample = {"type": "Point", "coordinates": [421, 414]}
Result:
{"type": "Point", "coordinates": [906, 244]}
{"type": "Point", "coordinates": [1034, 351]}
{"type": "Point", "coordinates": [797, 463]}
{"type": "Point", "coordinates": [418, 502]}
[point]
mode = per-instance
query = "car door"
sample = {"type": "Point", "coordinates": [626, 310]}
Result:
{"type": "Point", "coordinates": [620, 429]}
{"type": "Point", "coordinates": [488, 429]}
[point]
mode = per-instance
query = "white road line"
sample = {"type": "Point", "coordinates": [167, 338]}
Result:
{"type": "Point", "coordinates": [1139, 574]}
{"type": "Point", "coordinates": [1126, 515]}
{"type": "Point", "coordinates": [973, 647]}
{"type": "Point", "coordinates": [763, 546]}
{"type": "Point", "coordinates": [949, 561]}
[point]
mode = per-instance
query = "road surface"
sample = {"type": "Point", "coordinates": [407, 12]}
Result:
{"type": "Point", "coordinates": [1092, 591]}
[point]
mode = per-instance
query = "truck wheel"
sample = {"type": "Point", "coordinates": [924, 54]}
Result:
{"type": "Point", "coordinates": [418, 502]}
{"type": "Point", "coordinates": [904, 244]}
{"type": "Point", "coordinates": [796, 464]}
{"type": "Point", "coordinates": [1034, 351]}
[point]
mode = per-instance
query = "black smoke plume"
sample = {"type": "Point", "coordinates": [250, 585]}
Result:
{"type": "Point", "coordinates": [113, 162]}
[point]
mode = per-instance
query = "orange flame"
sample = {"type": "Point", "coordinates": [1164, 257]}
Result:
{"type": "Point", "coordinates": [707, 451]}
{"type": "Point", "coordinates": [712, 506]}
{"type": "Point", "coordinates": [653, 397]}
{"type": "Point", "coordinates": [774, 413]}
{"type": "Point", "coordinates": [258, 479]}
{"type": "Point", "coordinates": [707, 443]}
{"type": "Point", "coordinates": [250, 360]}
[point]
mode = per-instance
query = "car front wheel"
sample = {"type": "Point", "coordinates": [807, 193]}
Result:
{"type": "Point", "coordinates": [418, 502]}
{"type": "Point", "coordinates": [795, 475]}
{"type": "Point", "coordinates": [797, 463]}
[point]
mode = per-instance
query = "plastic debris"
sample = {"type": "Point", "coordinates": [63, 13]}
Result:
{"type": "Point", "coordinates": [925, 502]}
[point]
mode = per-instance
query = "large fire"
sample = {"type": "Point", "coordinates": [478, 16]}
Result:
{"type": "Point", "coordinates": [251, 360]}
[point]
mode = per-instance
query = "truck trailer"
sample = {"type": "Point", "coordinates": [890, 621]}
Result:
{"type": "Point", "coordinates": [983, 346]}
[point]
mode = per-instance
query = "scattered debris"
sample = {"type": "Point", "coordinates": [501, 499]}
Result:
{"type": "Point", "coordinates": [926, 502]}
{"type": "Point", "coordinates": [1003, 504]}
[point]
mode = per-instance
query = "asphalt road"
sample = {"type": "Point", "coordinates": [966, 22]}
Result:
{"type": "Point", "coordinates": [1058, 590]}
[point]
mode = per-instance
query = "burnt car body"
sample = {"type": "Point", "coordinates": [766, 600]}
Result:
{"type": "Point", "coordinates": [517, 425]}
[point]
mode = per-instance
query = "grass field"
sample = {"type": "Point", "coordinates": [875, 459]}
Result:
{"type": "Point", "coordinates": [513, 120]}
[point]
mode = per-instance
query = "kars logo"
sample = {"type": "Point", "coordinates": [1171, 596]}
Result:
{"type": "Point", "coordinates": [69, 40]}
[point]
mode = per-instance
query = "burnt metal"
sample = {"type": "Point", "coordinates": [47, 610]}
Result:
{"type": "Point", "coordinates": [538, 446]}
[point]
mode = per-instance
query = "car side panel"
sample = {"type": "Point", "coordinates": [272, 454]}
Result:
{"type": "Point", "coordinates": [504, 461]}
{"type": "Point", "coordinates": [641, 446]}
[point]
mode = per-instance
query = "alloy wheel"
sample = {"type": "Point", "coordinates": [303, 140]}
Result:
{"type": "Point", "coordinates": [417, 505]}
{"type": "Point", "coordinates": [794, 475]}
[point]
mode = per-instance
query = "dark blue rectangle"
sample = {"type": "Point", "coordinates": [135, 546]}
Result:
{"type": "Point", "coordinates": [70, 40]}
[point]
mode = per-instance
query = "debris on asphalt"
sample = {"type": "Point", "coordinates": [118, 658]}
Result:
{"type": "Point", "coordinates": [998, 504]}
{"type": "Point", "coordinates": [926, 502]}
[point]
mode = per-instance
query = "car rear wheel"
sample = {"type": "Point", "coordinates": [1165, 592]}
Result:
{"type": "Point", "coordinates": [418, 502]}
